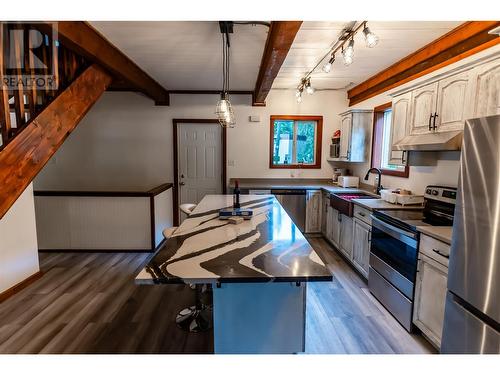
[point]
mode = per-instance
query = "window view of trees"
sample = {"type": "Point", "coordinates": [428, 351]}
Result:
{"type": "Point", "coordinates": [294, 142]}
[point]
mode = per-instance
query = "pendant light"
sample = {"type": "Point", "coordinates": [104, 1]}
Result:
{"type": "Point", "coordinates": [224, 110]}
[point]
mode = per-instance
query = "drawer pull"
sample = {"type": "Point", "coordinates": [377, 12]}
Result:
{"type": "Point", "coordinates": [440, 253]}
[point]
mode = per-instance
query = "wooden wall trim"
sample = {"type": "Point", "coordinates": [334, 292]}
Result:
{"type": "Point", "coordinates": [26, 154]}
{"type": "Point", "coordinates": [83, 39]}
{"type": "Point", "coordinates": [278, 43]}
{"type": "Point", "coordinates": [461, 42]}
{"type": "Point", "coordinates": [103, 193]}
{"type": "Point", "coordinates": [20, 286]}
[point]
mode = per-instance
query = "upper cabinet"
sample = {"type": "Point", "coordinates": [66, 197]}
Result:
{"type": "Point", "coordinates": [355, 135]}
{"type": "Point", "coordinates": [452, 102]}
{"type": "Point", "coordinates": [423, 104]}
{"type": "Point", "coordinates": [400, 119]}
{"type": "Point", "coordinates": [485, 90]}
{"type": "Point", "coordinates": [446, 101]}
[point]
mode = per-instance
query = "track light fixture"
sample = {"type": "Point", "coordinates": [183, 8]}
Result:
{"type": "Point", "coordinates": [328, 66]}
{"type": "Point", "coordinates": [344, 44]}
{"type": "Point", "coordinates": [371, 39]}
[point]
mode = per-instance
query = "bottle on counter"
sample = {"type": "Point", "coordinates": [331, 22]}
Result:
{"type": "Point", "coordinates": [236, 195]}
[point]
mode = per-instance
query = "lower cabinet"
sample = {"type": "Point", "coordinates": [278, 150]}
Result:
{"type": "Point", "coordinates": [361, 246]}
{"type": "Point", "coordinates": [313, 211]}
{"type": "Point", "coordinates": [346, 235]}
{"type": "Point", "coordinates": [430, 296]}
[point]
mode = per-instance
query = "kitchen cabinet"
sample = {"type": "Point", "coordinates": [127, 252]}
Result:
{"type": "Point", "coordinates": [313, 211]}
{"type": "Point", "coordinates": [485, 90]}
{"type": "Point", "coordinates": [333, 226]}
{"type": "Point", "coordinates": [453, 98]}
{"type": "Point", "coordinates": [346, 235]}
{"type": "Point", "coordinates": [355, 135]}
{"type": "Point", "coordinates": [361, 246]}
{"type": "Point", "coordinates": [430, 288]}
{"type": "Point", "coordinates": [423, 106]}
{"type": "Point", "coordinates": [325, 203]}
{"type": "Point", "coordinates": [345, 136]}
{"type": "Point", "coordinates": [400, 120]}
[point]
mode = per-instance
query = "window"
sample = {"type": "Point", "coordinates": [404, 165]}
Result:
{"type": "Point", "coordinates": [295, 142]}
{"type": "Point", "coordinates": [381, 148]}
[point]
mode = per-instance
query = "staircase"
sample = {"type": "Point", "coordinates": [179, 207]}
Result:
{"type": "Point", "coordinates": [46, 89]}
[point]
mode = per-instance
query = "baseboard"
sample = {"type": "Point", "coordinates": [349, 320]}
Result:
{"type": "Point", "coordinates": [95, 250]}
{"type": "Point", "coordinates": [103, 250]}
{"type": "Point", "coordinates": [20, 286]}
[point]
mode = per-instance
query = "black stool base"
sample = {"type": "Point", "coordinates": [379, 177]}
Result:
{"type": "Point", "coordinates": [192, 319]}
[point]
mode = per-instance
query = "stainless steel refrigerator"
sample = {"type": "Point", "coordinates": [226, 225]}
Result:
{"type": "Point", "coordinates": [472, 313]}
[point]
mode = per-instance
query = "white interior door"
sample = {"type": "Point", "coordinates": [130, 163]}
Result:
{"type": "Point", "coordinates": [200, 161]}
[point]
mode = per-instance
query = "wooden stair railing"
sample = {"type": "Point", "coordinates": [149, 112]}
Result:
{"type": "Point", "coordinates": [26, 154]}
{"type": "Point", "coordinates": [20, 104]}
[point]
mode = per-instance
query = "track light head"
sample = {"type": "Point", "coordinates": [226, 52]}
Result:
{"type": "Point", "coordinates": [348, 53]}
{"type": "Point", "coordinates": [328, 66]}
{"type": "Point", "coordinates": [309, 89]}
{"type": "Point", "coordinates": [371, 39]}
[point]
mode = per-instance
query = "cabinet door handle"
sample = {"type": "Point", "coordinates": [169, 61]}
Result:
{"type": "Point", "coordinates": [434, 126]}
{"type": "Point", "coordinates": [440, 253]}
{"type": "Point", "coordinates": [403, 160]}
{"type": "Point", "coordinates": [430, 121]}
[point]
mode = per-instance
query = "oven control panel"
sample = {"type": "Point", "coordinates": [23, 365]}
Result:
{"type": "Point", "coordinates": [441, 193]}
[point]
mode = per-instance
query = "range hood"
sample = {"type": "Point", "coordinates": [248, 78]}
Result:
{"type": "Point", "coordinates": [445, 141]}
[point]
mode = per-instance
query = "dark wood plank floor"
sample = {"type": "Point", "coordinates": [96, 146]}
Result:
{"type": "Point", "coordinates": [88, 303]}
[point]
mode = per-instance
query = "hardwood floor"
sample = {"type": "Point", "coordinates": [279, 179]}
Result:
{"type": "Point", "coordinates": [88, 303]}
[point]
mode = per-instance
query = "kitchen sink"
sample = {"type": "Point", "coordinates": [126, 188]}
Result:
{"type": "Point", "coordinates": [342, 201]}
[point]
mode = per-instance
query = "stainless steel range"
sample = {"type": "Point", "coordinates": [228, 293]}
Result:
{"type": "Point", "coordinates": [394, 250]}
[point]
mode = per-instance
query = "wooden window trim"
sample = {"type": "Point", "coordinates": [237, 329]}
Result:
{"type": "Point", "coordinates": [318, 141]}
{"type": "Point", "coordinates": [376, 157]}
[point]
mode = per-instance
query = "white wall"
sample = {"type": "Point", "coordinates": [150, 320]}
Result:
{"type": "Point", "coordinates": [126, 142]}
{"type": "Point", "coordinates": [18, 243]}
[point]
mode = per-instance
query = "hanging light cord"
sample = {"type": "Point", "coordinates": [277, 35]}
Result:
{"type": "Point", "coordinates": [225, 63]}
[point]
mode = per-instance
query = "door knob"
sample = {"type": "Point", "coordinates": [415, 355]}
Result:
{"type": "Point", "coordinates": [182, 183]}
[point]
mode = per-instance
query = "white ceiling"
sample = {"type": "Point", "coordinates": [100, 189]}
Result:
{"type": "Point", "coordinates": [188, 55]}
{"type": "Point", "coordinates": [314, 39]}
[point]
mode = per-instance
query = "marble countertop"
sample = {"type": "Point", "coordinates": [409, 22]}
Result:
{"type": "Point", "coordinates": [204, 249]}
{"type": "Point", "coordinates": [438, 232]}
{"type": "Point", "coordinates": [380, 204]}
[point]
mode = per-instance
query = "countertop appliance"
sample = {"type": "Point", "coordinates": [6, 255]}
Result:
{"type": "Point", "coordinates": [294, 203]}
{"type": "Point", "coordinates": [394, 250]}
{"type": "Point", "coordinates": [348, 181]}
{"type": "Point", "coordinates": [472, 312]}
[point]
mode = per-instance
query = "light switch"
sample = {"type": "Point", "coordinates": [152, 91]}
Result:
{"type": "Point", "coordinates": [230, 163]}
{"type": "Point", "coordinates": [254, 118]}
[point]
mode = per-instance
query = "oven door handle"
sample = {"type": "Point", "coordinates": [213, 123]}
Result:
{"type": "Point", "coordinates": [395, 231]}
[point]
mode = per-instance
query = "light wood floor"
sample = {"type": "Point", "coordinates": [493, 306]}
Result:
{"type": "Point", "coordinates": [88, 303]}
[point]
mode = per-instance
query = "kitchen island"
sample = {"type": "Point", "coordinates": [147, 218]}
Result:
{"type": "Point", "coordinates": [258, 269]}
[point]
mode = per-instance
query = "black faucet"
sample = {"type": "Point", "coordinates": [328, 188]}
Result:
{"type": "Point", "coordinates": [379, 186]}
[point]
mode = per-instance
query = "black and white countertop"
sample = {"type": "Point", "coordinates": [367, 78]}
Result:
{"type": "Point", "coordinates": [204, 249]}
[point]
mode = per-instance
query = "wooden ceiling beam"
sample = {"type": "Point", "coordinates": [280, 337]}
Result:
{"type": "Point", "coordinates": [278, 43]}
{"type": "Point", "coordinates": [29, 151]}
{"type": "Point", "coordinates": [83, 39]}
{"type": "Point", "coordinates": [463, 41]}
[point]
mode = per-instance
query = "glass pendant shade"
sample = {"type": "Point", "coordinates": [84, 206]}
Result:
{"type": "Point", "coordinates": [225, 114]}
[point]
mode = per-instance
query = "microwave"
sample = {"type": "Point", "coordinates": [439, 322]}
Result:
{"type": "Point", "coordinates": [335, 150]}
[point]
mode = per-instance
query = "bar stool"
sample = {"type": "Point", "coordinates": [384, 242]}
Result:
{"type": "Point", "coordinates": [196, 318]}
{"type": "Point", "coordinates": [168, 232]}
{"type": "Point", "coordinates": [187, 208]}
